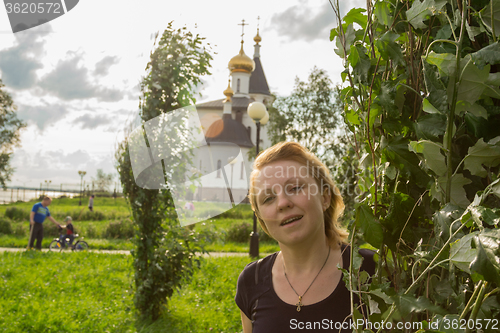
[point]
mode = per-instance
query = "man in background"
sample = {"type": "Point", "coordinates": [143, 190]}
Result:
{"type": "Point", "coordinates": [39, 212]}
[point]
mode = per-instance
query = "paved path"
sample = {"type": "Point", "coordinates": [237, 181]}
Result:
{"type": "Point", "coordinates": [210, 254]}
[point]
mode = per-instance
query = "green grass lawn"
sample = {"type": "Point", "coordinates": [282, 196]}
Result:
{"type": "Point", "coordinates": [90, 292]}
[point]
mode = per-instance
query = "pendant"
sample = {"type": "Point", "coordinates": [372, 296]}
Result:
{"type": "Point", "coordinates": [299, 304]}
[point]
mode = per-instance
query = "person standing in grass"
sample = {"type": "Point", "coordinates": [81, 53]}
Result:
{"type": "Point", "coordinates": [91, 203]}
{"type": "Point", "coordinates": [39, 212]}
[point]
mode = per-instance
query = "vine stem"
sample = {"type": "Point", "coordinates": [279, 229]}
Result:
{"type": "Point", "coordinates": [451, 118]}
{"type": "Point", "coordinates": [431, 266]}
{"type": "Point", "coordinates": [469, 303]}
{"type": "Point", "coordinates": [477, 306]}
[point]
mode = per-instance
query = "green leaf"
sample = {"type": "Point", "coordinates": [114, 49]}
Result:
{"type": "Point", "coordinates": [445, 62]}
{"type": "Point", "coordinates": [486, 263]}
{"type": "Point", "coordinates": [429, 108]}
{"type": "Point", "coordinates": [473, 82]}
{"type": "Point", "coordinates": [430, 126]}
{"type": "Point", "coordinates": [491, 14]}
{"type": "Point", "coordinates": [333, 33]}
{"type": "Point", "coordinates": [487, 55]}
{"type": "Point", "coordinates": [432, 155]}
{"type": "Point", "coordinates": [383, 13]}
{"type": "Point", "coordinates": [421, 11]}
{"type": "Point", "coordinates": [461, 252]}
{"type": "Point", "coordinates": [476, 109]}
{"type": "Point", "coordinates": [482, 153]}
{"type": "Point", "coordinates": [356, 15]}
{"type": "Point", "coordinates": [389, 49]}
{"type": "Point", "coordinates": [486, 215]}
{"type": "Point", "coordinates": [396, 151]}
{"type": "Point", "coordinates": [371, 228]}
{"type": "Point", "coordinates": [458, 195]}
{"type": "Point", "coordinates": [407, 304]}
{"type": "Point", "coordinates": [436, 90]}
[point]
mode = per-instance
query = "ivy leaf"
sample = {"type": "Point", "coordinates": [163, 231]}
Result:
{"type": "Point", "coordinates": [370, 226]}
{"type": "Point", "coordinates": [461, 252]}
{"type": "Point", "coordinates": [482, 153]}
{"type": "Point", "coordinates": [486, 263]}
{"type": "Point", "coordinates": [458, 195]}
{"type": "Point", "coordinates": [488, 18]}
{"type": "Point", "coordinates": [445, 62]}
{"type": "Point", "coordinates": [429, 108]}
{"type": "Point", "coordinates": [486, 215]}
{"type": "Point", "coordinates": [432, 155]}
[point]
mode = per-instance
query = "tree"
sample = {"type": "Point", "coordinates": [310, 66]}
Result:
{"type": "Point", "coordinates": [423, 104]}
{"type": "Point", "coordinates": [310, 116]}
{"type": "Point", "coordinates": [10, 128]}
{"type": "Point", "coordinates": [165, 252]}
{"type": "Point", "coordinates": [102, 181]}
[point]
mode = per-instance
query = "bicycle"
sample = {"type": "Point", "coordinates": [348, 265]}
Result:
{"type": "Point", "coordinates": [62, 243]}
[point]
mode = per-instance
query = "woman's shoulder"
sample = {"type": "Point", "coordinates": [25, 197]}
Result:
{"type": "Point", "coordinates": [257, 270]}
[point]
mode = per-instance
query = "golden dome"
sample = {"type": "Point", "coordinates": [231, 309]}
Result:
{"type": "Point", "coordinates": [241, 62]}
{"type": "Point", "coordinates": [257, 37]}
{"type": "Point", "coordinates": [229, 91]}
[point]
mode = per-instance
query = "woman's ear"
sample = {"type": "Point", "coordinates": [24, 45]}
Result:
{"type": "Point", "coordinates": [326, 198]}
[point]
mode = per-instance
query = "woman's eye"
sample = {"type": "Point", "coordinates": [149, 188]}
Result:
{"type": "Point", "coordinates": [267, 199]}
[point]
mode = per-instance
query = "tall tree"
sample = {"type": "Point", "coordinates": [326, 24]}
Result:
{"type": "Point", "coordinates": [102, 180]}
{"type": "Point", "coordinates": [165, 252]}
{"type": "Point", "coordinates": [10, 127]}
{"type": "Point", "coordinates": [311, 115]}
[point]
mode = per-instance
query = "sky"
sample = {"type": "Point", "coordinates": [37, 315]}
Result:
{"type": "Point", "coordinates": [76, 79]}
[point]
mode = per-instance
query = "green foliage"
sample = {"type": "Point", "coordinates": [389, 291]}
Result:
{"type": "Point", "coordinates": [102, 181]}
{"type": "Point", "coordinates": [5, 226]}
{"type": "Point", "coordinates": [10, 127]}
{"type": "Point", "coordinates": [422, 100]}
{"type": "Point", "coordinates": [17, 214]}
{"type": "Point", "coordinates": [165, 253]}
{"type": "Point", "coordinates": [119, 229]}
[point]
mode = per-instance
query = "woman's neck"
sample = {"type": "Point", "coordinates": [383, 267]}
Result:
{"type": "Point", "coordinates": [299, 260]}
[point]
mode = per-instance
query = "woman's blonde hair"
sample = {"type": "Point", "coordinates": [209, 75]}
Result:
{"type": "Point", "coordinates": [293, 151]}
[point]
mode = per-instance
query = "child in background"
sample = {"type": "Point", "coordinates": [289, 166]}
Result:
{"type": "Point", "coordinates": [91, 203]}
{"type": "Point", "coordinates": [69, 230]}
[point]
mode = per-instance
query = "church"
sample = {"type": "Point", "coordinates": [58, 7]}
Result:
{"type": "Point", "coordinates": [230, 133]}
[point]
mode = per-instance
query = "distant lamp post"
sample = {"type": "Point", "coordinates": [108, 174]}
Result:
{"type": "Point", "coordinates": [232, 160]}
{"type": "Point", "coordinates": [47, 183]}
{"type": "Point", "coordinates": [258, 112]}
{"type": "Point", "coordinates": [81, 173]}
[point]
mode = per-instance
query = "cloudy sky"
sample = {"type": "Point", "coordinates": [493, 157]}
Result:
{"type": "Point", "coordinates": [76, 79]}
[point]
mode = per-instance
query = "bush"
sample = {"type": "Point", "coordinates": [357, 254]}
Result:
{"type": "Point", "coordinates": [119, 229]}
{"type": "Point", "coordinates": [5, 226]}
{"type": "Point", "coordinates": [240, 233]}
{"type": "Point", "coordinates": [20, 229]}
{"type": "Point", "coordinates": [91, 232]}
{"type": "Point", "coordinates": [50, 230]}
{"type": "Point", "coordinates": [17, 214]}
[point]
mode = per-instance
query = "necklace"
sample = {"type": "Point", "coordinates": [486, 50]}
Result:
{"type": "Point", "coordinates": [299, 304]}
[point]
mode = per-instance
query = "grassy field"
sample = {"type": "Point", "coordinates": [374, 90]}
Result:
{"type": "Point", "coordinates": [110, 226]}
{"type": "Point", "coordinates": [90, 292]}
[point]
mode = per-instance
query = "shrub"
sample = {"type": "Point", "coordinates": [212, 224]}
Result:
{"type": "Point", "coordinates": [50, 229]}
{"type": "Point", "coordinates": [120, 229]}
{"type": "Point", "coordinates": [91, 232]}
{"type": "Point", "coordinates": [239, 233]}
{"type": "Point", "coordinates": [20, 229]}
{"type": "Point", "coordinates": [5, 226]}
{"type": "Point", "coordinates": [17, 214]}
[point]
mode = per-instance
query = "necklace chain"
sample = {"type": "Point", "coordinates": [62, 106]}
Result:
{"type": "Point", "coordinates": [299, 304]}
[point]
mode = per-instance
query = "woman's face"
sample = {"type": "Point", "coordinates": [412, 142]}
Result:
{"type": "Point", "coordinates": [291, 203]}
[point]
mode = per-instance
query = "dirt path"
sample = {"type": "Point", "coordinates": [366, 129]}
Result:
{"type": "Point", "coordinates": [211, 254]}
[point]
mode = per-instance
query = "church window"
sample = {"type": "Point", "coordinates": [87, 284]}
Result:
{"type": "Point", "coordinates": [238, 85]}
{"type": "Point", "coordinates": [242, 169]}
{"type": "Point", "coordinates": [219, 165]}
{"type": "Point", "coordinates": [249, 129]}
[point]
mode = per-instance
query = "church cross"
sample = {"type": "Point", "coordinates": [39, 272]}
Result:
{"type": "Point", "coordinates": [242, 28]}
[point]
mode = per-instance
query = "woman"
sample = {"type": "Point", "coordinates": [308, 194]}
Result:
{"type": "Point", "coordinates": [300, 287]}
